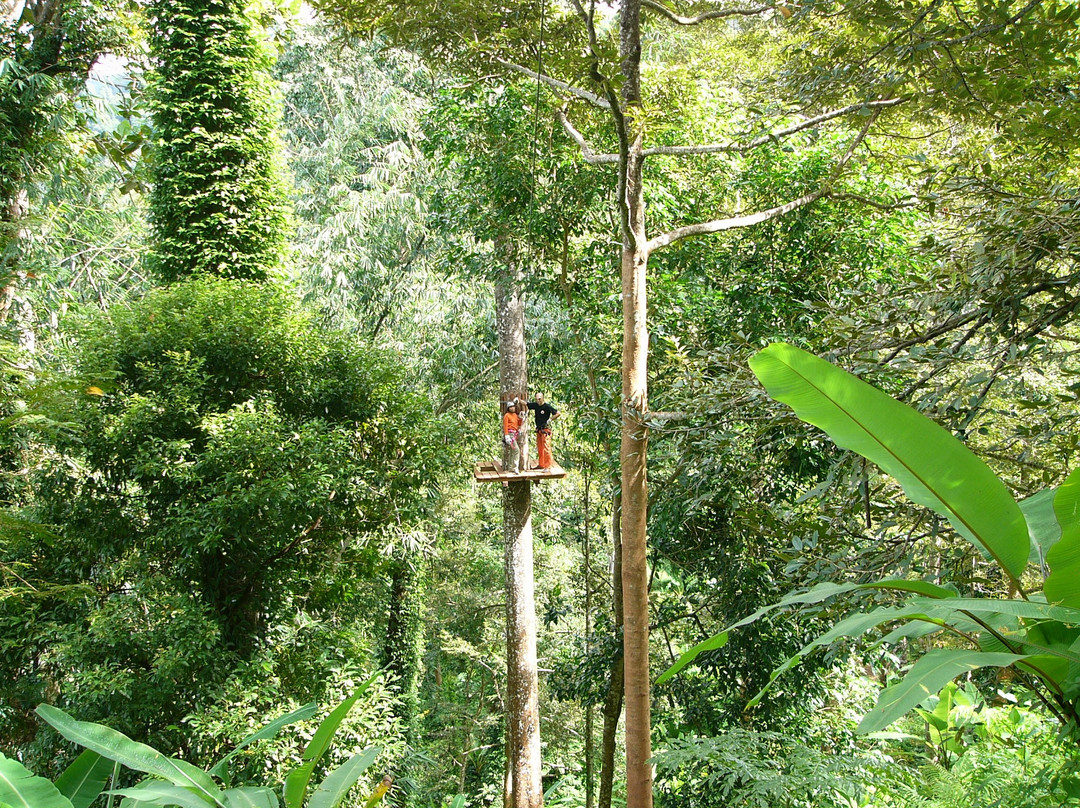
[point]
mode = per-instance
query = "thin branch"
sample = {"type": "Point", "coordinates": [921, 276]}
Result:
{"type": "Point", "coordinates": [906, 202]}
{"type": "Point", "coordinates": [615, 107]}
{"type": "Point", "coordinates": [732, 148]}
{"type": "Point", "coordinates": [719, 14]}
{"type": "Point", "coordinates": [959, 320]}
{"type": "Point", "coordinates": [772, 137]}
{"type": "Point", "coordinates": [735, 222]}
{"type": "Point", "coordinates": [896, 37]}
{"type": "Point", "coordinates": [585, 95]}
{"type": "Point", "coordinates": [303, 534]}
{"type": "Point", "coordinates": [461, 388]}
{"type": "Point", "coordinates": [587, 154]}
{"type": "Point", "coordinates": [992, 28]}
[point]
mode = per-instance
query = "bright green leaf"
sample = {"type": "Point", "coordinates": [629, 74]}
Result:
{"type": "Point", "coordinates": [140, 757]}
{"type": "Point", "coordinates": [269, 731]}
{"type": "Point", "coordinates": [84, 779]}
{"type": "Point", "coordinates": [935, 469]}
{"type": "Point", "coordinates": [932, 672]}
{"type": "Point", "coordinates": [296, 782]}
{"type": "Point", "coordinates": [21, 788]}
{"type": "Point", "coordinates": [158, 792]}
{"type": "Point", "coordinates": [332, 790]}
{"type": "Point", "coordinates": [250, 797]}
{"type": "Point", "coordinates": [1063, 584]}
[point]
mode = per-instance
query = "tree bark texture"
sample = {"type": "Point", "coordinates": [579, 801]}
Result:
{"type": "Point", "coordinates": [632, 449]}
{"type": "Point", "coordinates": [590, 774]}
{"type": "Point", "coordinates": [614, 700]}
{"type": "Point", "coordinates": [525, 789]}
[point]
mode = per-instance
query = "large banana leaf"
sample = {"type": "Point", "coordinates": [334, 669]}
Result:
{"type": "Point", "coordinates": [1043, 528]}
{"type": "Point", "coordinates": [1030, 609]}
{"type": "Point", "coordinates": [333, 789]}
{"type": "Point", "coordinates": [138, 756]}
{"type": "Point", "coordinates": [817, 594]}
{"type": "Point", "coordinates": [1063, 584]}
{"type": "Point", "coordinates": [84, 779]}
{"type": "Point", "coordinates": [160, 793]}
{"type": "Point", "coordinates": [853, 626]}
{"type": "Point", "coordinates": [933, 671]}
{"type": "Point", "coordinates": [21, 788]}
{"type": "Point", "coordinates": [250, 797]}
{"type": "Point", "coordinates": [296, 782]}
{"type": "Point", "coordinates": [935, 469]}
{"type": "Point", "coordinates": [269, 731]}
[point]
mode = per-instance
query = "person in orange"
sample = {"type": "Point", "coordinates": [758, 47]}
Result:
{"type": "Point", "coordinates": [511, 427]}
{"type": "Point", "coordinates": [545, 414]}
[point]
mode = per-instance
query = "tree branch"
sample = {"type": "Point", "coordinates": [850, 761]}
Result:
{"type": "Point", "coordinates": [585, 95]}
{"type": "Point", "coordinates": [772, 137]}
{"type": "Point", "coordinates": [906, 202]}
{"type": "Point", "coordinates": [461, 388]}
{"type": "Point", "coordinates": [991, 28]}
{"type": "Point", "coordinates": [587, 154]}
{"type": "Point", "coordinates": [981, 313]}
{"type": "Point", "coordinates": [719, 14]}
{"type": "Point", "coordinates": [303, 534]}
{"type": "Point", "coordinates": [736, 148]}
{"type": "Point", "coordinates": [614, 106]}
{"type": "Point", "coordinates": [735, 222]}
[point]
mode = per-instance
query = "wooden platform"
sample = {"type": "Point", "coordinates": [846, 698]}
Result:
{"type": "Point", "coordinates": [491, 471]}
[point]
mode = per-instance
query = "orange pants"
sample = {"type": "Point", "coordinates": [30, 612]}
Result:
{"type": "Point", "coordinates": [543, 449]}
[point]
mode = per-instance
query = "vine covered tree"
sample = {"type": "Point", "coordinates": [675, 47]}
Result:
{"type": "Point", "coordinates": [218, 200]}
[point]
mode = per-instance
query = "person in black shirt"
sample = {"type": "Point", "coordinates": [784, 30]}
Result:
{"type": "Point", "coordinates": [545, 414]}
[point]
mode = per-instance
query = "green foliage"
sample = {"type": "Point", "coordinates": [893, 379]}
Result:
{"type": "Point", "coordinates": [756, 770]}
{"type": "Point", "coordinates": [1008, 756]}
{"type": "Point", "coordinates": [48, 53]}
{"type": "Point", "coordinates": [937, 470]}
{"type": "Point", "coordinates": [223, 467]}
{"type": "Point", "coordinates": [20, 787]}
{"type": "Point", "coordinates": [353, 126]}
{"type": "Point", "coordinates": [175, 782]}
{"type": "Point", "coordinates": [84, 779]}
{"type": "Point", "coordinates": [218, 200]}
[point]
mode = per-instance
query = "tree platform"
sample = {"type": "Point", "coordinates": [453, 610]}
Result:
{"type": "Point", "coordinates": [491, 471]}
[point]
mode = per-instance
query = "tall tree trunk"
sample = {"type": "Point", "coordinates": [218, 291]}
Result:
{"type": "Point", "coordinates": [587, 548]}
{"type": "Point", "coordinates": [523, 714]}
{"type": "Point", "coordinates": [634, 407]}
{"type": "Point", "coordinates": [614, 700]}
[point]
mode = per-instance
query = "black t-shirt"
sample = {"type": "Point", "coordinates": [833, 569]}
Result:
{"type": "Point", "coordinates": [543, 413]}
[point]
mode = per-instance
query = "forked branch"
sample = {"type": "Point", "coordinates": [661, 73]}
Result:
{"type": "Point", "coordinates": [595, 158]}
{"type": "Point", "coordinates": [587, 154]}
{"type": "Point", "coordinates": [554, 83]}
{"type": "Point", "coordinates": [747, 220]}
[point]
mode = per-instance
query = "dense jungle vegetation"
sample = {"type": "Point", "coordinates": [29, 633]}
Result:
{"type": "Point", "coordinates": [249, 357]}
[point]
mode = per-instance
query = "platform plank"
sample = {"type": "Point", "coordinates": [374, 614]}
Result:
{"type": "Point", "coordinates": [492, 472]}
